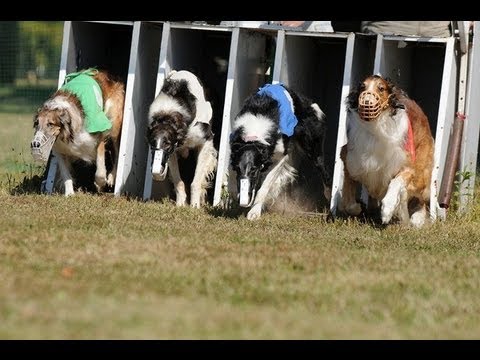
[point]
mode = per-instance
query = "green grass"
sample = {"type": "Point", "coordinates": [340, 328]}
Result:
{"type": "Point", "coordinates": [96, 267]}
{"type": "Point", "coordinates": [16, 163]}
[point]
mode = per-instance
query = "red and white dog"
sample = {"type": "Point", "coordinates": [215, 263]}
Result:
{"type": "Point", "coordinates": [61, 124]}
{"type": "Point", "coordinates": [389, 150]}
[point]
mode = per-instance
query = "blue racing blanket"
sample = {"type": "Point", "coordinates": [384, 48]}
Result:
{"type": "Point", "coordinates": [288, 120]}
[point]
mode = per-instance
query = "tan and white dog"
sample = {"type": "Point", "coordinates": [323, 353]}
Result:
{"type": "Point", "coordinates": [61, 124]}
{"type": "Point", "coordinates": [389, 150]}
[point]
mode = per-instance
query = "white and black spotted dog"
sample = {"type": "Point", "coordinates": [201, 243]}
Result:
{"type": "Point", "coordinates": [180, 121]}
{"type": "Point", "coordinates": [272, 124]}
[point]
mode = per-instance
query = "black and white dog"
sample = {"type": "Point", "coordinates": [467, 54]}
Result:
{"type": "Point", "coordinates": [272, 124]}
{"type": "Point", "coordinates": [180, 121]}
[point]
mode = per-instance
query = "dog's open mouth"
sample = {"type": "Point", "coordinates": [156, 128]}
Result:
{"type": "Point", "coordinates": [41, 146]}
{"type": "Point", "coordinates": [159, 165]}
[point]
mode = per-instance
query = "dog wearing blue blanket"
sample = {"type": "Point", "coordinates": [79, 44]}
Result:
{"type": "Point", "coordinates": [273, 123]}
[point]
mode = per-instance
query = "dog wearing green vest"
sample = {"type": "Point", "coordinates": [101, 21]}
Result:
{"type": "Point", "coordinates": [81, 121]}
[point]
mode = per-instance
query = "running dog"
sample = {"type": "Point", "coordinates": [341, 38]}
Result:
{"type": "Point", "coordinates": [272, 124]}
{"type": "Point", "coordinates": [179, 121]}
{"type": "Point", "coordinates": [79, 121]}
{"type": "Point", "coordinates": [389, 150]}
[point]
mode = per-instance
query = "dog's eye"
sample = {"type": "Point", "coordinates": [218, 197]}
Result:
{"type": "Point", "coordinates": [381, 88]}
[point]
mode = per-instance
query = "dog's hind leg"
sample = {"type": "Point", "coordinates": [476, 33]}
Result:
{"type": "Point", "coordinates": [114, 111]}
{"type": "Point", "coordinates": [204, 173]}
{"type": "Point", "coordinates": [178, 184]}
{"type": "Point", "coordinates": [101, 172]}
{"type": "Point", "coordinates": [275, 181]}
{"type": "Point", "coordinates": [64, 166]}
{"type": "Point", "coordinates": [114, 151]}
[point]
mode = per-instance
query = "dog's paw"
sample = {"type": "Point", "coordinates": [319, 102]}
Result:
{"type": "Point", "coordinates": [418, 218]}
{"type": "Point", "coordinates": [195, 197]}
{"type": "Point", "coordinates": [68, 193]}
{"type": "Point", "coordinates": [181, 199]}
{"type": "Point", "coordinates": [255, 212]}
{"type": "Point", "coordinates": [195, 204]}
{"type": "Point", "coordinates": [69, 188]}
{"type": "Point", "coordinates": [353, 209]}
{"type": "Point", "coordinates": [100, 182]}
{"type": "Point", "coordinates": [110, 180]}
{"type": "Point", "coordinates": [388, 209]}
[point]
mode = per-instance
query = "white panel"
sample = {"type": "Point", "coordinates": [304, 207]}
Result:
{"type": "Point", "coordinates": [468, 160]}
{"type": "Point", "coordinates": [67, 48]}
{"type": "Point", "coordinates": [163, 69]}
{"type": "Point", "coordinates": [337, 184]}
{"type": "Point", "coordinates": [379, 65]}
{"type": "Point", "coordinates": [128, 127]}
{"type": "Point", "coordinates": [139, 95]}
{"type": "Point", "coordinates": [446, 113]}
{"type": "Point", "coordinates": [279, 57]}
{"type": "Point", "coordinates": [224, 148]}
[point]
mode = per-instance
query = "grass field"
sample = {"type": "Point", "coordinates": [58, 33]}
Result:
{"type": "Point", "coordinates": [96, 267]}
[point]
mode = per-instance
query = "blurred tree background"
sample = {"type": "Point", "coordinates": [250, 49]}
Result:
{"type": "Point", "coordinates": [29, 63]}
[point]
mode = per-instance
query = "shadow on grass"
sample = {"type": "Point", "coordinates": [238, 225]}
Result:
{"type": "Point", "coordinates": [29, 185]}
{"type": "Point", "coordinates": [233, 212]}
{"type": "Point", "coordinates": [83, 173]}
{"type": "Point", "coordinates": [368, 216]}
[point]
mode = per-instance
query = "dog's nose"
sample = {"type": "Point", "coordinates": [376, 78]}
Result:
{"type": "Point", "coordinates": [35, 144]}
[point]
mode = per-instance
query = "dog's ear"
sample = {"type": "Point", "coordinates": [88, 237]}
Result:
{"type": "Point", "coordinates": [64, 117]}
{"type": "Point", "coordinates": [394, 100]}
{"type": "Point", "coordinates": [266, 156]}
{"type": "Point", "coordinates": [35, 119]}
{"type": "Point", "coordinates": [235, 141]}
{"type": "Point", "coordinates": [352, 98]}
{"type": "Point", "coordinates": [179, 123]}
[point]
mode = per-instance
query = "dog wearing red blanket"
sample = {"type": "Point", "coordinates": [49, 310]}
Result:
{"type": "Point", "coordinates": [389, 151]}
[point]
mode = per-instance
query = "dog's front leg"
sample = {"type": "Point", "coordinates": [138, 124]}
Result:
{"type": "Point", "coordinates": [348, 203]}
{"type": "Point", "coordinates": [179, 185]}
{"type": "Point", "coordinates": [64, 166]}
{"type": "Point", "coordinates": [204, 171]}
{"type": "Point", "coordinates": [396, 198]}
{"type": "Point", "coordinates": [101, 172]}
{"type": "Point", "coordinates": [267, 190]}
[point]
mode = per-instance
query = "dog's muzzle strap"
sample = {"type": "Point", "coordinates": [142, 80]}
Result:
{"type": "Point", "coordinates": [41, 146]}
{"type": "Point", "coordinates": [370, 105]}
{"type": "Point", "coordinates": [159, 172]}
